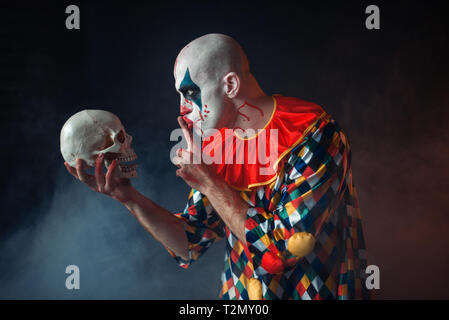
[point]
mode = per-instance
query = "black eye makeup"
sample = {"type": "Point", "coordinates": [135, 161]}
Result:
{"type": "Point", "coordinates": [190, 93]}
{"type": "Point", "coordinates": [190, 90]}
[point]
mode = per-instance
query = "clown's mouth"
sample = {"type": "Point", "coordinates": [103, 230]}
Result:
{"type": "Point", "coordinates": [127, 169]}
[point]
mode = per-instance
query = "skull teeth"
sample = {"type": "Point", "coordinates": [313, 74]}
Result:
{"type": "Point", "coordinates": [128, 168]}
{"type": "Point", "coordinates": [127, 158]}
{"type": "Point", "coordinates": [131, 174]}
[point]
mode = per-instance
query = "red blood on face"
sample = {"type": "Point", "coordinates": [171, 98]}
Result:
{"type": "Point", "coordinates": [185, 110]}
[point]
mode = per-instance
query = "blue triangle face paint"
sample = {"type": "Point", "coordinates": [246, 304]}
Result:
{"type": "Point", "coordinates": [190, 90]}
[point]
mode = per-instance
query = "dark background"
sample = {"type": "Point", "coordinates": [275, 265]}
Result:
{"type": "Point", "coordinates": [387, 88]}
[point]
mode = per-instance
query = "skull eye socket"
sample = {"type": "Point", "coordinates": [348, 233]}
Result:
{"type": "Point", "coordinates": [107, 143]}
{"type": "Point", "coordinates": [121, 136]}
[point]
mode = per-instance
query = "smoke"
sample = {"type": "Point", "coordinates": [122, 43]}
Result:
{"type": "Point", "coordinates": [117, 258]}
{"type": "Point", "coordinates": [48, 219]}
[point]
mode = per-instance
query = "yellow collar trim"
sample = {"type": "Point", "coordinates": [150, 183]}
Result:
{"type": "Point", "coordinates": [258, 184]}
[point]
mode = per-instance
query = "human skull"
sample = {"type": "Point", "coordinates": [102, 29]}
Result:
{"type": "Point", "coordinates": [89, 133]}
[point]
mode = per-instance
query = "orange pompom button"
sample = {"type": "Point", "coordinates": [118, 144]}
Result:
{"type": "Point", "coordinates": [301, 244]}
{"type": "Point", "coordinates": [254, 289]}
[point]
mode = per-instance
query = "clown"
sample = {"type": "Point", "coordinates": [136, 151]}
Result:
{"type": "Point", "coordinates": [292, 224]}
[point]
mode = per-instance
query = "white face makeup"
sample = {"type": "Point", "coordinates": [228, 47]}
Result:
{"type": "Point", "coordinates": [202, 100]}
{"type": "Point", "coordinates": [200, 71]}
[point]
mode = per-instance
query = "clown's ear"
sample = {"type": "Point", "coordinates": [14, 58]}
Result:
{"type": "Point", "coordinates": [231, 84]}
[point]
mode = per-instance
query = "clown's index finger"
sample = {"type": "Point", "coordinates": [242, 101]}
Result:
{"type": "Point", "coordinates": [187, 133]}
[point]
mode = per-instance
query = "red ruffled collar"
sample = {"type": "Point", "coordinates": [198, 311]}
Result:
{"type": "Point", "coordinates": [292, 117]}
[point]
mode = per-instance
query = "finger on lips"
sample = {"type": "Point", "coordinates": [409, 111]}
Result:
{"type": "Point", "coordinates": [182, 123]}
{"type": "Point", "coordinates": [186, 131]}
{"type": "Point", "coordinates": [177, 161]}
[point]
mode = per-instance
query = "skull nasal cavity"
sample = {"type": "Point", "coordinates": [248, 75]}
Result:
{"type": "Point", "coordinates": [121, 136]}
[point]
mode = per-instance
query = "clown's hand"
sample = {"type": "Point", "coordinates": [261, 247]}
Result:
{"type": "Point", "coordinates": [199, 176]}
{"type": "Point", "coordinates": [110, 184]}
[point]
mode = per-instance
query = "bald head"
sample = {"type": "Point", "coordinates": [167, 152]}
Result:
{"type": "Point", "coordinates": [211, 57]}
{"type": "Point", "coordinates": [212, 77]}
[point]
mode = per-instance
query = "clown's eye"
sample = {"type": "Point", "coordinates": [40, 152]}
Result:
{"type": "Point", "coordinates": [190, 93]}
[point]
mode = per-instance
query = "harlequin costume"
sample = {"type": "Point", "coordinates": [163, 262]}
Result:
{"type": "Point", "coordinates": [303, 227]}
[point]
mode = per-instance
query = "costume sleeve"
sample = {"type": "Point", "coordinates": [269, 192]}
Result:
{"type": "Point", "coordinates": [202, 226]}
{"type": "Point", "coordinates": [314, 183]}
